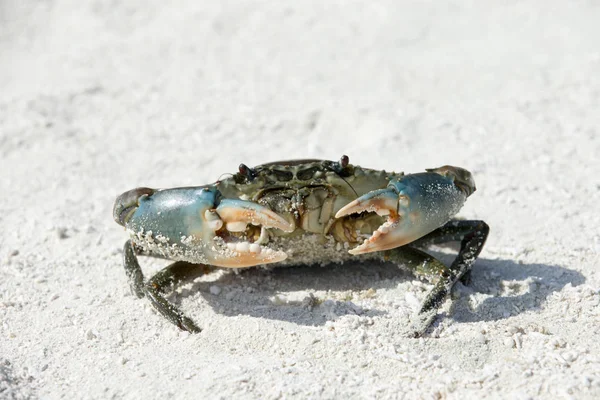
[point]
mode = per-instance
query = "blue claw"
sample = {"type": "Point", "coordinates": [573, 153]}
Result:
{"type": "Point", "coordinates": [195, 225]}
{"type": "Point", "coordinates": [414, 204]}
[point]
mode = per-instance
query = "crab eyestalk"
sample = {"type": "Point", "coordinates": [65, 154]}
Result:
{"type": "Point", "coordinates": [414, 205]}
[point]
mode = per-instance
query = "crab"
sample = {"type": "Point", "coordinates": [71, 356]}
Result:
{"type": "Point", "coordinates": [301, 212]}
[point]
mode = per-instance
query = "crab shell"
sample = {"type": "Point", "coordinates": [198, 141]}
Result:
{"type": "Point", "coordinates": [306, 211]}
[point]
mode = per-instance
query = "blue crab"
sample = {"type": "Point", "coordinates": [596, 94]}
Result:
{"type": "Point", "coordinates": [301, 212]}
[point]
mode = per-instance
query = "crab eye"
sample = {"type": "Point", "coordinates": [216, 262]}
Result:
{"type": "Point", "coordinates": [344, 161]}
{"type": "Point", "coordinates": [246, 171]}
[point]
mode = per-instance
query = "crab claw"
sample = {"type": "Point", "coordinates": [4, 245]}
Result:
{"type": "Point", "coordinates": [383, 202]}
{"type": "Point", "coordinates": [414, 204]}
{"type": "Point", "coordinates": [238, 213]}
{"type": "Point", "coordinates": [199, 226]}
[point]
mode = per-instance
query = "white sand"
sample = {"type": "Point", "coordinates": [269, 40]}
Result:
{"type": "Point", "coordinates": [99, 98]}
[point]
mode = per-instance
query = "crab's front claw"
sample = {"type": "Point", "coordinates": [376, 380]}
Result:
{"type": "Point", "coordinates": [384, 202]}
{"type": "Point", "coordinates": [414, 204]}
{"type": "Point", "coordinates": [237, 215]}
{"type": "Point", "coordinates": [199, 226]}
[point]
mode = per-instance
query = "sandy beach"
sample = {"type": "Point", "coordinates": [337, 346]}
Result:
{"type": "Point", "coordinates": [100, 97]}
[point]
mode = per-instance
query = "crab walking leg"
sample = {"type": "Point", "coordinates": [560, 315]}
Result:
{"type": "Point", "coordinates": [472, 235]}
{"type": "Point", "coordinates": [156, 286]}
{"type": "Point", "coordinates": [421, 264]}
{"type": "Point", "coordinates": [166, 278]}
{"type": "Point", "coordinates": [454, 230]}
{"type": "Point", "coordinates": [133, 270]}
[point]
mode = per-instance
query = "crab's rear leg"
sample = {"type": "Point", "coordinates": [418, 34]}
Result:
{"type": "Point", "coordinates": [157, 285]}
{"type": "Point", "coordinates": [471, 234]}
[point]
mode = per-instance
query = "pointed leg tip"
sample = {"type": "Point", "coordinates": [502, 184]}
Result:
{"type": "Point", "coordinates": [189, 326]}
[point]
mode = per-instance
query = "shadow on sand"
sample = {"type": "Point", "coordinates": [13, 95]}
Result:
{"type": "Point", "coordinates": [508, 289]}
{"type": "Point", "coordinates": [511, 288]}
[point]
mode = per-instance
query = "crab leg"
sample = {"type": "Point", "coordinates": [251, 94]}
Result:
{"type": "Point", "coordinates": [156, 286]}
{"type": "Point", "coordinates": [471, 234]}
{"type": "Point", "coordinates": [133, 270]}
{"type": "Point", "coordinates": [167, 277]}
{"type": "Point", "coordinates": [414, 205]}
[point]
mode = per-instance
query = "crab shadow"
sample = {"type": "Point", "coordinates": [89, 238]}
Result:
{"type": "Point", "coordinates": [288, 293]}
{"type": "Point", "coordinates": [501, 288]}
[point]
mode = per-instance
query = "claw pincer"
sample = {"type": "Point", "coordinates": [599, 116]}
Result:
{"type": "Point", "coordinates": [414, 204]}
{"type": "Point", "coordinates": [197, 225]}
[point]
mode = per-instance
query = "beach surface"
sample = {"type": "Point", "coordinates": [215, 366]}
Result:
{"type": "Point", "coordinates": [101, 97]}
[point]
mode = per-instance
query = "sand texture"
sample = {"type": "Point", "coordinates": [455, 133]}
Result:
{"type": "Point", "coordinates": [98, 97]}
